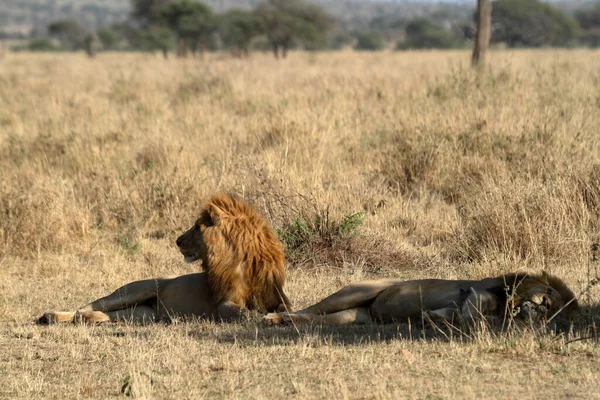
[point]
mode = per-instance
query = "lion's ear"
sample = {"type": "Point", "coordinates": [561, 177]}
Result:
{"type": "Point", "coordinates": [214, 213]}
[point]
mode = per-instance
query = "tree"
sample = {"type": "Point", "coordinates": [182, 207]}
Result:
{"type": "Point", "coordinates": [109, 38]}
{"type": "Point", "coordinates": [589, 21]}
{"type": "Point", "coordinates": [238, 28]}
{"type": "Point", "coordinates": [91, 43]}
{"type": "Point", "coordinates": [531, 23]}
{"type": "Point", "coordinates": [589, 18]}
{"type": "Point", "coordinates": [155, 38]}
{"type": "Point", "coordinates": [287, 22]}
{"type": "Point", "coordinates": [70, 34]}
{"type": "Point", "coordinates": [148, 12]}
{"type": "Point", "coordinates": [484, 29]}
{"type": "Point", "coordinates": [425, 34]}
{"type": "Point", "coordinates": [370, 40]}
{"type": "Point", "coordinates": [192, 23]}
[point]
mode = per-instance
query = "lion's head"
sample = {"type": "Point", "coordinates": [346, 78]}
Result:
{"type": "Point", "coordinates": [240, 253]}
{"type": "Point", "coordinates": [540, 296]}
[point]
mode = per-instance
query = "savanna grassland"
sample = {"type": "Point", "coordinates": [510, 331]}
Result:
{"type": "Point", "coordinates": [367, 165]}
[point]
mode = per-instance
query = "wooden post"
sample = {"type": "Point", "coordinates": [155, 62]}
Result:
{"type": "Point", "coordinates": [484, 30]}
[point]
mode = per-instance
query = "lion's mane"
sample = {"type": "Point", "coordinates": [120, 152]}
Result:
{"type": "Point", "coordinates": [244, 260]}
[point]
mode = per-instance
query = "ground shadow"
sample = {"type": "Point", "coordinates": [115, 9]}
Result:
{"type": "Point", "coordinates": [588, 326]}
{"type": "Point", "coordinates": [256, 334]}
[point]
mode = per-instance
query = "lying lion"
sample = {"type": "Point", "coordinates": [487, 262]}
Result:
{"type": "Point", "coordinates": [524, 296]}
{"type": "Point", "coordinates": [244, 270]}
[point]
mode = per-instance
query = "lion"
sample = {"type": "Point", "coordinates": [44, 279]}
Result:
{"type": "Point", "coordinates": [525, 296]}
{"type": "Point", "coordinates": [243, 263]}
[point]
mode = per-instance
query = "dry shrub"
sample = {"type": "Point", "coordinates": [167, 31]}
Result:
{"type": "Point", "coordinates": [409, 162]}
{"type": "Point", "coordinates": [152, 156]}
{"type": "Point", "coordinates": [274, 133]}
{"type": "Point", "coordinates": [204, 84]}
{"type": "Point", "coordinates": [540, 222]}
{"type": "Point", "coordinates": [315, 237]}
{"type": "Point", "coordinates": [450, 164]}
{"type": "Point", "coordinates": [40, 215]}
{"type": "Point", "coordinates": [589, 187]}
{"type": "Point", "coordinates": [45, 149]}
{"type": "Point", "coordinates": [427, 160]}
{"type": "Point", "coordinates": [124, 90]}
{"type": "Point", "coordinates": [315, 233]}
{"type": "Point", "coordinates": [460, 83]}
{"type": "Point", "coordinates": [147, 200]}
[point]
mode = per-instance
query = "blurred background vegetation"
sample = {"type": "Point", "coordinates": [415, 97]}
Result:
{"type": "Point", "coordinates": [189, 28]}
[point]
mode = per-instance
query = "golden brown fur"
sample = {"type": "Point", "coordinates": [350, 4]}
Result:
{"type": "Point", "coordinates": [525, 296]}
{"type": "Point", "coordinates": [244, 270]}
{"type": "Point", "coordinates": [240, 253]}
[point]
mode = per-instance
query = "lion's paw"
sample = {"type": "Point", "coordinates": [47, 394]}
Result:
{"type": "Point", "coordinates": [48, 318]}
{"type": "Point", "coordinates": [274, 318]}
{"type": "Point", "coordinates": [90, 317]}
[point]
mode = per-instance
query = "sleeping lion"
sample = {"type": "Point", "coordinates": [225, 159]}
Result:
{"type": "Point", "coordinates": [524, 296]}
{"type": "Point", "coordinates": [243, 270]}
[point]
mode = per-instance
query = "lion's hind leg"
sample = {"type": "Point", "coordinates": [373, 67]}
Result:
{"type": "Point", "coordinates": [346, 306]}
{"type": "Point", "coordinates": [355, 295]}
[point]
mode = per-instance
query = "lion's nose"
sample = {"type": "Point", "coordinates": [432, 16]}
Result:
{"type": "Point", "coordinates": [178, 241]}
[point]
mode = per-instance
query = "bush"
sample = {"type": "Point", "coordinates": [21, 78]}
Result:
{"type": "Point", "coordinates": [369, 41]}
{"type": "Point", "coordinates": [109, 38]}
{"type": "Point", "coordinates": [531, 23]}
{"type": "Point", "coordinates": [426, 34]}
{"type": "Point", "coordinates": [589, 20]}
{"type": "Point", "coordinates": [155, 38]}
{"type": "Point", "coordinates": [287, 23]}
{"type": "Point", "coordinates": [591, 37]}
{"type": "Point", "coordinates": [42, 44]}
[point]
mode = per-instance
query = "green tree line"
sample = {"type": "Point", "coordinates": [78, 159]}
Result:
{"type": "Point", "coordinates": [187, 27]}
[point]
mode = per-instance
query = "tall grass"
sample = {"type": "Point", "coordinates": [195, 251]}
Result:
{"type": "Point", "coordinates": [433, 157]}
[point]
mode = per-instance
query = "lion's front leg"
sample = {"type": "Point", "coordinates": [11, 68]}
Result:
{"type": "Point", "coordinates": [140, 314]}
{"type": "Point", "coordinates": [446, 314]}
{"type": "Point", "coordinates": [478, 306]}
{"type": "Point", "coordinates": [127, 296]}
{"type": "Point", "coordinates": [277, 318]}
{"type": "Point", "coordinates": [229, 311]}
{"type": "Point", "coordinates": [357, 315]}
{"type": "Point", "coordinates": [55, 317]}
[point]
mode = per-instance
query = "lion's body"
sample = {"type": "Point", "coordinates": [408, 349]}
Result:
{"type": "Point", "coordinates": [390, 300]}
{"type": "Point", "coordinates": [244, 270]}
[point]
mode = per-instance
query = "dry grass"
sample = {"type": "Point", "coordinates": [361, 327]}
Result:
{"type": "Point", "coordinates": [385, 164]}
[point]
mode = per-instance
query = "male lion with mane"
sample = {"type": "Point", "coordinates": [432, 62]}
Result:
{"type": "Point", "coordinates": [244, 270]}
{"type": "Point", "coordinates": [524, 296]}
